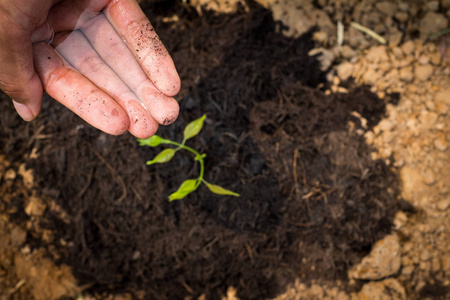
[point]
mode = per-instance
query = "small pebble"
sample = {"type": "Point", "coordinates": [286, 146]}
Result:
{"type": "Point", "coordinates": [435, 264]}
{"type": "Point", "coordinates": [440, 143]}
{"type": "Point", "coordinates": [406, 74]}
{"type": "Point", "coordinates": [435, 58]}
{"type": "Point", "coordinates": [408, 270]}
{"type": "Point", "coordinates": [431, 23]}
{"type": "Point", "coordinates": [432, 5]}
{"type": "Point", "coordinates": [423, 72]}
{"type": "Point", "coordinates": [387, 7]}
{"type": "Point", "coordinates": [408, 47]}
{"type": "Point", "coordinates": [347, 52]}
{"type": "Point", "coordinates": [424, 59]}
{"type": "Point", "coordinates": [425, 255]}
{"type": "Point", "coordinates": [428, 177]}
{"type": "Point", "coordinates": [321, 37]}
{"type": "Point", "coordinates": [10, 175]}
{"type": "Point", "coordinates": [402, 16]}
{"type": "Point", "coordinates": [403, 6]}
{"type": "Point", "coordinates": [443, 204]}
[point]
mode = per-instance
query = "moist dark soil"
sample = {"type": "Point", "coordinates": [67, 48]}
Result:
{"type": "Point", "coordinates": [312, 200]}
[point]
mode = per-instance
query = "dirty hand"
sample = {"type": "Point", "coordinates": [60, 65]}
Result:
{"type": "Point", "coordinates": [100, 58]}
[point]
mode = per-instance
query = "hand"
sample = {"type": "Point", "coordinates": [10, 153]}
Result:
{"type": "Point", "coordinates": [105, 63]}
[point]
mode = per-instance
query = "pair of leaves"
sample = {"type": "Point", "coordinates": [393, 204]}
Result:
{"type": "Point", "coordinates": [190, 185]}
{"type": "Point", "coordinates": [191, 130]}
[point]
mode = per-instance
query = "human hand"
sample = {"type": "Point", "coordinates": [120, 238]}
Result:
{"type": "Point", "coordinates": [105, 63]}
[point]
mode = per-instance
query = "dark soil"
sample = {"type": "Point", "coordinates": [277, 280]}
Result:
{"type": "Point", "coordinates": [312, 199]}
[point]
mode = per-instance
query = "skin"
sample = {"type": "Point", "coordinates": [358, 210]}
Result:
{"type": "Point", "coordinates": [104, 62]}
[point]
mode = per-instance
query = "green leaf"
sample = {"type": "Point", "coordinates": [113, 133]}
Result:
{"type": "Point", "coordinates": [185, 188]}
{"type": "Point", "coordinates": [164, 156]}
{"type": "Point", "coordinates": [193, 128]}
{"type": "Point", "coordinates": [152, 141]}
{"type": "Point", "coordinates": [220, 190]}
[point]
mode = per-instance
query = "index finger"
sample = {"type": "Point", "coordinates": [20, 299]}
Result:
{"type": "Point", "coordinates": [132, 25]}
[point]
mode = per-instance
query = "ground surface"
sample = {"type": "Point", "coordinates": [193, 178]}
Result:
{"type": "Point", "coordinates": [340, 154]}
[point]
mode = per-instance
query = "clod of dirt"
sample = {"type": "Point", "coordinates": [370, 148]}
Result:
{"type": "Point", "coordinates": [432, 23]}
{"type": "Point", "coordinates": [383, 260]}
{"type": "Point", "coordinates": [388, 289]}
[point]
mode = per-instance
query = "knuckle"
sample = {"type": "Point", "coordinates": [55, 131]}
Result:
{"type": "Point", "coordinates": [91, 63]}
{"type": "Point", "coordinates": [54, 76]}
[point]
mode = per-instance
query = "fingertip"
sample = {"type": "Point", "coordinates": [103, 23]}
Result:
{"type": "Point", "coordinates": [163, 109]}
{"type": "Point", "coordinates": [165, 78]}
{"type": "Point", "coordinates": [23, 111]}
{"type": "Point", "coordinates": [142, 125]}
{"type": "Point", "coordinates": [115, 123]}
{"type": "Point", "coordinates": [172, 86]}
{"type": "Point", "coordinates": [43, 33]}
{"type": "Point", "coordinates": [143, 134]}
{"type": "Point", "coordinates": [168, 112]}
{"type": "Point", "coordinates": [29, 102]}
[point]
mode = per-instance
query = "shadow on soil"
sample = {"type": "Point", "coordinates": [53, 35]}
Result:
{"type": "Point", "coordinates": [313, 201]}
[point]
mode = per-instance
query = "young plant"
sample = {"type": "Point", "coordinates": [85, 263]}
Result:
{"type": "Point", "coordinates": [189, 185]}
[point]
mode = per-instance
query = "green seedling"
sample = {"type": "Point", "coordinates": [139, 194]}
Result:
{"type": "Point", "coordinates": [189, 185]}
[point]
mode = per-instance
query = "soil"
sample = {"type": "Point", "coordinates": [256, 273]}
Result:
{"type": "Point", "coordinates": [302, 141]}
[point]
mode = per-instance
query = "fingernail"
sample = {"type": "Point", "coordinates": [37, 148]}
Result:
{"type": "Point", "coordinates": [43, 33]}
{"type": "Point", "coordinates": [23, 111]}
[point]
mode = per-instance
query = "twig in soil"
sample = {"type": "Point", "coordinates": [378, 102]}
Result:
{"type": "Point", "coordinates": [308, 206]}
{"type": "Point", "coordinates": [86, 186]}
{"type": "Point", "coordinates": [118, 235]}
{"type": "Point", "coordinates": [250, 252]}
{"type": "Point", "coordinates": [370, 32]}
{"type": "Point", "coordinates": [294, 172]}
{"type": "Point", "coordinates": [340, 33]}
{"type": "Point", "coordinates": [185, 285]}
{"type": "Point", "coordinates": [17, 287]}
{"type": "Point", "coordinates": [309, 224]}
{"type": "Point", "coordinates": [80, 224]}
{"type": "Point", "coordinates": [136, 193]}
{"type": "Point", "coordinates": [115, 174]}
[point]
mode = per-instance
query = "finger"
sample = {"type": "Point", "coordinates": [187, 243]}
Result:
{"type": "Point", "coordinates": [43, 33]}
{"type": "Point", "coordinates": [17, 75]}
{"type": "Point", "coordinates": [118, 56]}
{"type": "Point", "coordinates": [133, 26]}
{"type": "Point", "coordinates": [76, 50]}
{"type": "Point", "coordinates": [77, 93]}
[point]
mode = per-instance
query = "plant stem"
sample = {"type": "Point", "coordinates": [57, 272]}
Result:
{"type": "Point", "coordinates": [198, 157]}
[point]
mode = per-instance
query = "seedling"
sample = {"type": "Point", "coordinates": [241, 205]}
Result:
{"type": "Point", "coordinates": [189, 185]}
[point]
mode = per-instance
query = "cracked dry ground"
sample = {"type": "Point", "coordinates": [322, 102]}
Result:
{"type": "Point", "coordinates": [340, 153]}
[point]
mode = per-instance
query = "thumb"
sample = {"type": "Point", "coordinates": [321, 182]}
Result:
{"type": "Point", "coordinates": [18, 78]}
